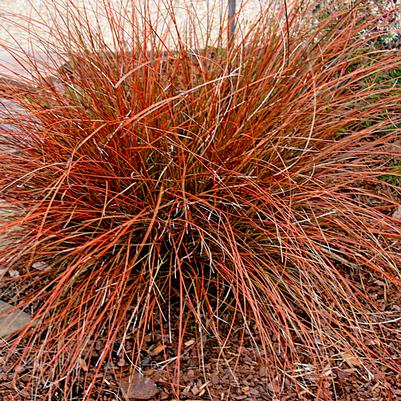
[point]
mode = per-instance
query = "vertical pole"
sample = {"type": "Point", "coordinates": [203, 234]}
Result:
{"type": "Point", "coordinates": [231, 19]}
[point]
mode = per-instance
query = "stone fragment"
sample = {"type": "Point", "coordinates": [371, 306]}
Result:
{"type": "Point", "coordinates": [12, 320]}
{"type": "Point", "coordinates": [397, 213]}
{"type": "Point", "coordinates": [138, 387]}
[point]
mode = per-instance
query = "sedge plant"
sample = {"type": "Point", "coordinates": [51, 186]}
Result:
{"type": "Point", "coordinates": [161, 174]}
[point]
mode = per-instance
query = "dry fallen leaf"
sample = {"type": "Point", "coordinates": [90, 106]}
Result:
{"type": "Point", "coordinates": [189, 343]}
{"type": "Point", "coordinates": [83, 364]}
{"type": "Point", "coordinates": [350, 359]}
{"type": "Point", "coordinates": [204, 385]}
{"type": "Point", "coordinates": [148, 372]}
{"type": "Point", "coordinates": [157, 350]}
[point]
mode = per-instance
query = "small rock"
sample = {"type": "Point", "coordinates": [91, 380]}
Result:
{"type": "Point", "coordinates": [255, 392]}
{"type": "Point", "coordinates": [121, 362]}
{"type": "Point", "coordinates": [39, 266]}
{"type": "Point", "coordinates": [13, 321]}
{"type": "Point", "coordinates": [263, 371]}
{"type": "Point", "coordinates": [397, 213]}
{"type": "Point", "coordinates": [195, 390]}
{"type": "Point", "coordinates": [215, 378]}
{"type": "Point", "coordinates": [138, 387]}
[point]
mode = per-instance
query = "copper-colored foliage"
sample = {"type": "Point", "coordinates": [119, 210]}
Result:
{"type": "Point", "coordinates": [245, 177]}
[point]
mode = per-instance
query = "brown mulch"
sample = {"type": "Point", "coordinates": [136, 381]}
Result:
{"type": "Point", "coordinates": [234, 372]}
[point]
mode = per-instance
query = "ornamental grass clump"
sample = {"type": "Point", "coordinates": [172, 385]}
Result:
{"type": "Point", "coordinates": [163, 174]}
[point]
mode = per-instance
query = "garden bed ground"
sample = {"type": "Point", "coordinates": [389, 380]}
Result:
{"type": "Point", "coordinates": [238, 373]}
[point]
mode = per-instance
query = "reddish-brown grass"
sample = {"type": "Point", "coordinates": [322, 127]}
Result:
{"type": "Point", "coordinates": [245, 177]}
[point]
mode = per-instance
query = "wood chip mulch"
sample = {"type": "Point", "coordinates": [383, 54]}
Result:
{"type": "Point", "coordinates": [209, 372]}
